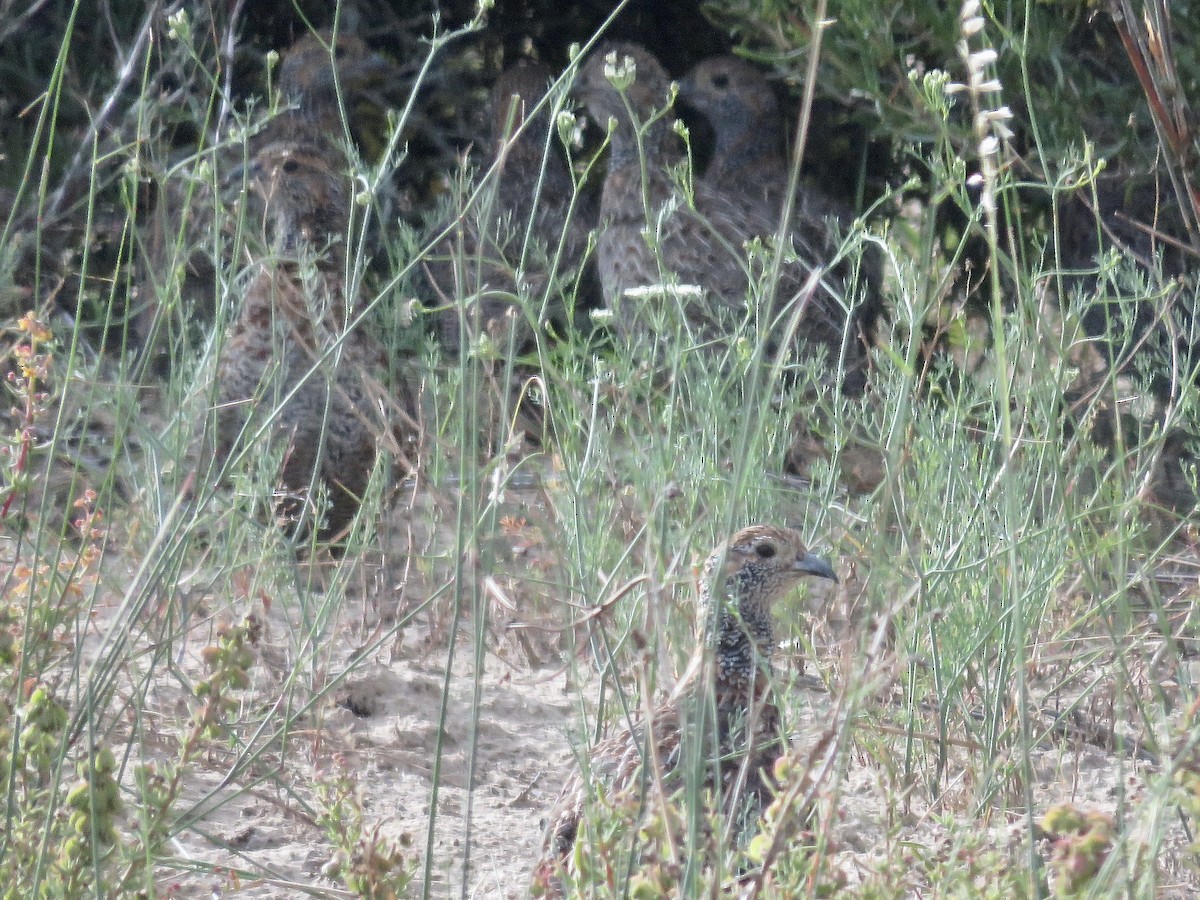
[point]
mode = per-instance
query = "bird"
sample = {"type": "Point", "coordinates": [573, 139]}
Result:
{"type": "Point", "coordinates": [295, 349]}
{"type": "Point", "coordinates": [313, 73]}
{"type": "Point", "coordinates": [530, 232]}
{"type": "Point", "coordinates": [698, 238]}
{"type": "Point", "coordinates": [332, 84]}
{"type": "Point", "coordinates": [748, 135]}
{"type": "Point", "coordinates": [743, 579]}
{"type": "Point", "coordinates": [749, 164]}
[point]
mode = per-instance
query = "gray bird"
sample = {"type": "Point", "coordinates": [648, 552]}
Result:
{"type": "Point", "coordinates": [652, 234]}
{"type": "Point", "coordinates": [741, 106]}
{"type": "Point", "coordinates": [749, 165]}
{"type": "Point", "coordinates": [527, 235]}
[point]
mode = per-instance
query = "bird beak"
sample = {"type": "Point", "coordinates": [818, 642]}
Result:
{"type": "Point", "coordinates": [810, 564]}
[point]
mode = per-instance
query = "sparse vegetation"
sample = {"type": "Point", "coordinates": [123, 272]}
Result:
{"type": "Point", "coordinates": [999, 700]}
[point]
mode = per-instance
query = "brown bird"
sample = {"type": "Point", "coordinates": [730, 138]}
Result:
{"type": "Point", "coordinates": [521, 237]}
{"type": "Point", "coordinates": [331, 86]}
{"type": "Point", "coordinates": [697, 243]}
{"type": "Point", "coordinates": [757, 567]}
{"type": "Point", "coordinates": [741, 106]}
{"type": "Point", "coordinates": [309, 80]}
{"type": "Point", "coordinates": [749, 164]}
{"type": "Point", "coordinates": [294, 360]}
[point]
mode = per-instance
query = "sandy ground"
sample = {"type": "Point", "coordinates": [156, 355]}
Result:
{"type": "Point", "coordinates": [501, 769]}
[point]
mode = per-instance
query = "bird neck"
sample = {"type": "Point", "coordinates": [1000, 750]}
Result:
{"type": "Point", "coordinates": [744, 642]}
{"type": "Point", "coordinates": [301, 242]}
{"type": "Point", "coordinates": [638, 183]}
{"type": "Point", "coordinates": [655, 144]}
{"type": "Point", "coordinates": [302, 259]}
{"type": "Point", "coordinates": [531, 176]}
{"type": "Point", "coordinates": [744, 146]}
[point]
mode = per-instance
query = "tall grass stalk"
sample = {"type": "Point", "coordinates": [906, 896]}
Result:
{"type": "Point", "coordinates": [1013, 607]}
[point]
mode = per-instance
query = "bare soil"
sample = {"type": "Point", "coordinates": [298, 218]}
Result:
{"type": "Point", "coordinates": [506, 720]}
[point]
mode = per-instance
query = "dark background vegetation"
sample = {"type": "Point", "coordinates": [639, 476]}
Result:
{"type": "Point", "coordinates": [129, 92]}
{"type": "Point", "coordinates": [870, 127]}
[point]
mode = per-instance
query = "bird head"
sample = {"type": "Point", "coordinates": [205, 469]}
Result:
{"type": "Point", "coordinates": [319, 64]}
{"type": "Point", "coordinates": [617, 73]}
{"type": "Point", "coordinates": [762, 563]}
{"type": "Point", "coordinates": [333, 81]}
{"type": "Point", "coordinates": [732, 94]}
{"type": "Point", "coordinates": [515, 94]}
{"type": "Point", "coordinates": [751, 572]}
{"type": "Point", "coordinates": [304, 192]}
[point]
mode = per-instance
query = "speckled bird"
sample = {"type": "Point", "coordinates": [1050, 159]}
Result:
{"type": "Point", "coordinates": [747, 575]}
{"type": "Point", "coordinates": [748, 158]}
{"type": "Point", "coordinates": [699, 240]}
{"type": "Point", "coordinates": [533, 197]}
{"type": "Point", "coordinates": [295, 350]}
{"type": "Point", "coordinates": [327, 82]}
{"type": "Point", "coordinates": [312, 117]}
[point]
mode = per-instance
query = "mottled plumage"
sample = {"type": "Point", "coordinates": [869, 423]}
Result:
{"type": "Point", "coordinates": [322, 81]}
{"type": "Point", "coordinates": [312, 117]}
{"type": "Point", "coordinates": [756, 568]}
{"type": "Point", "coordinates": [749, 165]}
{"type": "Point", "coordinates": [700, 245]}
{"type": "Point", "coordinates": [532, 197]}
{"type": "Point", "coordinates": [295, 320]}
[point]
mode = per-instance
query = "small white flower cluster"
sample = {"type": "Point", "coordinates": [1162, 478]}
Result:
{"type": "Point", "coordinates": [984, 89]}
{"type": "Point", "coordinates": [620, 73]}
{"type": "Point", "coordinates": [570, 128]}
{"type": "Point", "coordinates": [178, 26]}
{"type": "Point", "coordinates": [684, 292]}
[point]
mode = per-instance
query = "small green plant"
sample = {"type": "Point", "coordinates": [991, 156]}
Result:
{"type": "Point", "coordinates": [94, 801]}
{"type": "Point", "coordinates": [159, 784]}
{"type": "Point", "coordinates": [60, 837]}
{"type": "Point", "coordinates": [28, 382]}
{"type": "Point", "coordinates": [368, 862]}
{"type": "Point", "coordinates": [1082, 842]}
{"type": "Point", "coordinates": [228, 662]}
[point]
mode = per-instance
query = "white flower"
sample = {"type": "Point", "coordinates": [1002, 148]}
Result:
{"type": "Point", "coordinates": [982, 58]}
{"type": "Point", "coordinates": [620, 74]}
{"type": "Point", "coordinates": [178, 27]}
{"type": "Point", "coordinates": [992, 86]}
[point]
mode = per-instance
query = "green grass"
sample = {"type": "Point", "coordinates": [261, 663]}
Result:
{"type": "Point", "coordinates": [1012, 634]}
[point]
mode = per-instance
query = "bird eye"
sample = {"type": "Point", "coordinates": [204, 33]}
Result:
{"type": "Point", "coordinates": [720, 82]}
{"type": "Point", "coordinates": [291, 166]}
{"type": "Point", "coordinates": [765, 550]}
